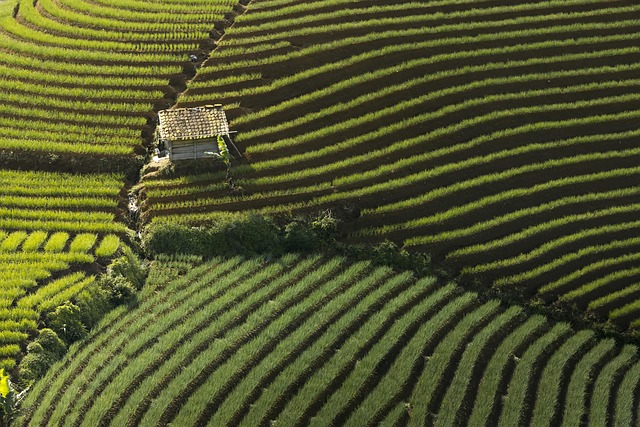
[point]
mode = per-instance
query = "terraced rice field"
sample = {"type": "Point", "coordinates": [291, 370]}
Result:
{"type": "Point", "coordinates": [502, 138]}
{"type": "Point", "coordinates": [81, 77]}
{"type": "Point", "coordinates": [50, 223]}
{"type": "Point", "coordinates": [313, 340]}
{"type": "Point", "coordinates": [79, 83]}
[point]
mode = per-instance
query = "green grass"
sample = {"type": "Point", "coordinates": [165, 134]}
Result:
{"type": "Point", "coordinates": [481, 133]}
{"type": "Point", "coordinates": [322, 340]}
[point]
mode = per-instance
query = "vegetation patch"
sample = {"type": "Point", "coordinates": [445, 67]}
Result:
{"type": "Point", "coordinates": [499, 138]}
{"type": "Point", "coordinates": [314, 339]}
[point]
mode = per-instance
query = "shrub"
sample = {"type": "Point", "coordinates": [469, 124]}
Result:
{"type": "Point", "coordinates": [388, 253]}
{"type": "Point", "coordinates": [253, 236]}
{"type": "Point", "coordinates": [51, 343]}
{"type": "Point", "coordinates": [41, 354]}
{"type": "Point", "coordinates": [118, 290]}
{"type": "Point", "coordinates": [65, 321]}
{"type": "Point", "coordinates": [325, 225]}
{"type": "Point", "coordinates": [130, 267]}
{"type": "Point", "coordinates": [173, 239]}
{"type": "Point", "coordinates": [33, 366]}
{"type": "Point", "coordinates": [93, 302]}
{"type": "Point", "coordinates": [298, 237]}
{"type": "Point", "coordinates": [309, 233]}
{"type": "Point", "coordinates": [245, 235]}
{"type": "Point", "coordinates": [73, 319]}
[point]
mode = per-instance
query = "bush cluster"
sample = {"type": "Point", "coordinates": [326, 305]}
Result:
{"type": "Point", "coordinates": [41, 353]}
{"type": "Point", "coordinates": [254, 234]}
{"type": "Point", "coordinates": [388, 253]}
{"type": "Point", "coordinates": [248, 235]}
{"type": "Point", "coordinates": [72, 320]}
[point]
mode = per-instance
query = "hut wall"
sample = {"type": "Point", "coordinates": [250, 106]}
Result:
{"type": "Point", "coordinates": [188, 150]}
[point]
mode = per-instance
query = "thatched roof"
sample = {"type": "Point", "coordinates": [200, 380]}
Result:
{"type": "Point", "coordinates": [183, 124]}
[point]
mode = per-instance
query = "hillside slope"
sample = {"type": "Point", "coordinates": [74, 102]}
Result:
{"type": "Point", "coordinates": [79, 83]}
{"type": "Point", "coordinates": [500, 138]}
{"type": "Point", "coordinates": [321, 341]}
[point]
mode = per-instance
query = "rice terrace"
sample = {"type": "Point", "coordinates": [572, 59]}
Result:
{"type": "Point", "coordinates": [320, 212]}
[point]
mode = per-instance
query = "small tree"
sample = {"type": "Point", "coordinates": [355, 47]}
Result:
{"type": "Point", "coordinates": [223, 155]}
{"type": "Point", "coordinates": [65, 321]}
{"type": "Point", "coordinates": [10, 399]}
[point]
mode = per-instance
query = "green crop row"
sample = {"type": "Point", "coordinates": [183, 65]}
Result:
{"type": "Point", "coordinates": [549, 386]}
{"type": "Point", "coordinates": [62, 147]}
{"type": "Point", "coordinates": [34, 241]}
{"type": "Point", "coordinates": [525, 369]}
{"type": "Point", "coordinates": [57, 202]}
{"type": "Point", "coordinates": [473, 10]}
{"type": "Point", "coordinates": [589, 287]}
{"type": "Point", "coordinates": [75, 117]}
{"type": "Point", "coordinates": [73, 9]}
{"type": "Point", "coordinates": [43, 125]}
{"type": "Point", "coordinates": [551, 245]}
{"type": "Point", "coordinates": [23, 40]}
{"type": "Point", "coordinates": [96, 38]}
{"type": "Point", "coordinates": [529, 231]}
{"type": "Point", "coordinates": [432, 77]}
{"type": "Point", "coordinates": [471, 358]}
{"type": "Point", "coordinates": [390, 387]}
{"type": "Point", "coordinates": [293, 303]}
{"type": "Point", "coordinates": [605, 384]}
{"type": "Point", "coordinates": [557, 242]}
{"type": "Point", "coordinates": [154, 301]}
{"type": "Point", "coordinates": [388, 131]}
{"type": "Point", "coordinates": [394, 184]}
{"type": "Point", "coordinates": [511, 216]}
{"type": "Point", "coordinates": [52, 135]}
{"type": "Point", "coordinates": [66, 104]}
{"type": "Point", "coordinates": [177, 12]}
{"type": "Point", "coordinates": [63, 184]}
{"type": "Point", "coordinates": [325, 20]}
{"type": "Point", "coordinates": [431, 380]}
{"type": "Point", "coordinates": [573, 256]}
{"type": "Point", "coordinates": [362, 313]}
{"type": "Point", "coordinates": [129, 28]}
{"type": "Point", "coordinates": [97, 50]}
{"type": "Point", "coordinates": [112, 75]}
{"type": "Point", "coordinates": [309, 326]}
{"type": "Point", "coordinates": [515, 193]}
{"type": "Point", "coordinates": [198, 291]}
{"type": "Point", "coordinates": [82, 243]}
{"type": "Point", "coordinates": [514, 132]}
{"type": "Point", "coordinates": [425, 175]}
{"type": "Point", "coordinates": [311, 341]}
{"type": "Point", "coordinates": [44, 298]}
{"type": "Point", "coordinates": [363, 368]}
{"type": "Point", "coordinates": [625, 407]}
{"type": "Point", "coordinates": [431, 31]}
{"type": "Point", "coordinates": [66, 92]}
{"type": "Point", "coordinates": [403, 47]}
{"type": "Point", "coordinates": [108, 246]}
{"type": "Point", "coordinates": [497, 368]}
{"type": "Point", "coordinates": [171, 364]}
{"type": "Point", "coordinates": [613, 296]}
{"type": "Point", "coordinates": [26, 290]}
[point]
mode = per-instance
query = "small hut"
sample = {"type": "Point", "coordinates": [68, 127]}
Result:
{"type": "Point", "coordinates": [187, 133]}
